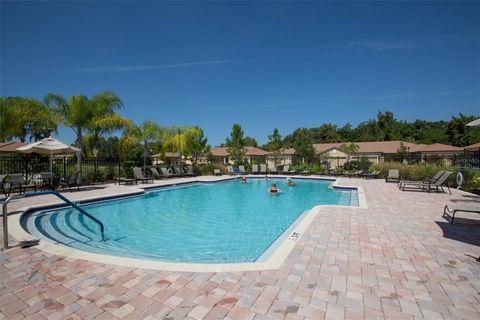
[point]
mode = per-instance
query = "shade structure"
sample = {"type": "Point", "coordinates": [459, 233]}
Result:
{"type": "Point", "coordinates": [474, 123]}
{"type": "Point", "coordinates": [48, 146]}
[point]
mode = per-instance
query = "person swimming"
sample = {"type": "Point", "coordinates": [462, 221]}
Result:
{"type": "Point", "coordinates": [273, 189]}
{"type": "Point", "coordinates": [243, 179]}
{"type": "Point", "coordinates": [290, 182]}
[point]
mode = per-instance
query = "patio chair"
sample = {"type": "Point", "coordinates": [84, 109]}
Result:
{"type": "Point", "coordinates": [18, 182]}
{"type": "Point", "coordinates": [123, 180]}
{"type": "Point", "coordinates": [178, 171]}
{"type": "Point", "coordinates": [454, 209]}
{"type": "Point", "coordinates": [428, 186]}
{"type": "Point", "coordinates": [254, 168]}
{"type": "Point", "coordinates": [356, 174]}
{"type": "Point", "coordinates": [168, 173]}
{"type": "Point", "coordinates": [138, 175]}
{"type": "Point", "coordinates": [263, 168]}
{"type": "Point", "coordinates": [431, 180]}
{"type": "Point", "coordinates": [189, 171]}
{"type": "Point", "coordinates": [155, 173]}
{"type": "Point", "coordinates": [217, 172]}
{"type": "Point", "coordinates": [3, 183]}
{"type": "Point", "coordinates": [72, 181]}
{"type": "Point", "coordinates": [371, 175]}
{"type": "Point", "coordinates": [393, 175]}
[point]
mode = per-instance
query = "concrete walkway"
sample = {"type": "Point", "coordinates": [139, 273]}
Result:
{"type": "Point", "coordinates": [399, 259]}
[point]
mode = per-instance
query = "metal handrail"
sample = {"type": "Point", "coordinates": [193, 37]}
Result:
{"type": "Point", "coordinates": [32, 194]}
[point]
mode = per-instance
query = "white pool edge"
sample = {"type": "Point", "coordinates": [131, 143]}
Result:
{"type": "Point", "coordinates": [279, 249]}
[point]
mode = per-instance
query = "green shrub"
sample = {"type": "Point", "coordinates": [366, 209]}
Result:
{"type": "Point", "coordinates": [354, 165]}
{"type": "Point", "coordinates": [422, 171]}
{"type": "Point", "coordinates": [207, 169]}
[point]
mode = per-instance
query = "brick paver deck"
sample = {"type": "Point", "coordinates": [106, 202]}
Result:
{"type": "Point", "coordinates": [399, 259]}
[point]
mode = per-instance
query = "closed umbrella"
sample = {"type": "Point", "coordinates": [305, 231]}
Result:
{"type": "Point", "coordinates": [48, 146]}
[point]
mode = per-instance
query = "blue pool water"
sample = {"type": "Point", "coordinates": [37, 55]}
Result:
{"type": "Point", "coordinates": [211, 223]}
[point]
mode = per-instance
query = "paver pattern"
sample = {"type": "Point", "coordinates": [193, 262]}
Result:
{"type": "Point", "coordinates": [398, 259]}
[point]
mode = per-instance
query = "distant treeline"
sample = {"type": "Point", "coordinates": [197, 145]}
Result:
{"type": "Point", "coordinates": [386, 128]}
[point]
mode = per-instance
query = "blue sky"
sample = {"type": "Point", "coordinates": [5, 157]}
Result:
{"type": "Point", "coordinates": [263, 65]}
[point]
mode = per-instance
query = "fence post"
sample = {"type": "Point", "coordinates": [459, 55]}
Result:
{"type": "Point", "coordinates": [64, 167]}
{"type": "Point", "coordinates": [26, 167]}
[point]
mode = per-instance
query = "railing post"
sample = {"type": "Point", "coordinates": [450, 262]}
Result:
{"type": "Point", "coordinates": [5, 224]}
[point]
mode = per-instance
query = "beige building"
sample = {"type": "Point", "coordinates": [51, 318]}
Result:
{"type": "Point", "coordinates": [252, 155]}
{"type": "Point", "coordinates": [287, 156]}
{"type": "Point", "coordinates": [379, 151]}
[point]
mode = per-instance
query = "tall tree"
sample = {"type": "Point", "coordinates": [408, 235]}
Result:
{"type": "Point", "coordinates": [144, 134]}
{"type": "Point", "coordinates": [104, 119]}
{"type": "Point", "coordinates": [303, 145]}
{"type": "Point", "coordinates": [349, 148]}
{"type": "Point", "coordinates": [275, 146]}
{"type": "Point", "coordinates": [186, 140]}
{"type": "Point", "coordinates": [250, 142]}
{"type": "Point", "coordinates": [76, 114]}
{"type": "Point", "coordinates": [236, 144]}
{"type": "Point", "coordinates": [25, 118]}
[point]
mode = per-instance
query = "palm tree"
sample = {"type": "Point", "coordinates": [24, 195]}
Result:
{"type": "Point", "coordinates": [82, 114]}
{"type": "Point", "coordinates": [75, 114]}
{"type": "Point", "coordinates": [144, 133]}
{"type": "Point", "coordinates": [182, 140]}
{"type": "Point", "coordinates": [105, 120]}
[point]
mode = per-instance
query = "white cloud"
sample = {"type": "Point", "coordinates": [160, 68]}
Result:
{"type": "Point", "coordinates": [152, 67]}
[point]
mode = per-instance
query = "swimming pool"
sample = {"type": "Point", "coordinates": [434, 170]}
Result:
{"type": "Point", "coordinates": [221, 222]}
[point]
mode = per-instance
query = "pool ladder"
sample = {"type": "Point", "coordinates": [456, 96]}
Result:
{"type": "Point", "coordinates": [32, 194]}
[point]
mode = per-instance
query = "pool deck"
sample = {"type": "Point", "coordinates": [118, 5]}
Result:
{"type": "Point", "coordinates": [396, 259]}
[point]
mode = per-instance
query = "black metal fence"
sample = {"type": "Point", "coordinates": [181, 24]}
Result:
{"type": "Point", "coordinates": [93, 169]}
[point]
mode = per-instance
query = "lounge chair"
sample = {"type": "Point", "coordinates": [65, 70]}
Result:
{"type": "Point", "coordinates": [425, 181]}
{"type": "Point", "coordinates": [356, 174]}
{"type": "Point", "coordinates": [72, 181]}
{"type": "Point", "coordinates": [123, 180]}
{"type": "Point", "coordinates": [18, 182]}
{"type": "Point", "coordinates": [189, 171]}
{"type": "Point", "coordinates": [138, 175]}
{"type": "Point", "coordinates": [3, 182]}
{"type": "Point", "coordinates": [230, 170]}
{"type": "Point", "coordinates": [167, 173]}
{"type": "Point", "coordinates": [178, 171]}
{"type": "Point", "coordinates": [393, 175]}
{"type": "Point", "coordinates": [428, 186]}
{"type": "Point", "coordinates": [254, 168]}
{"type": "Point", "coordinates": [241, 170]}
{"type": "Point", "coordinates": [454, 209]}
{"type": "Point", "coordinates": [263, 168]}
{"type": "Point", "coordinates": [155, 173]}
{"type": "Point", "coordinates": [217, 172]}
{"type": "Point", "coordinates": [371, 175]}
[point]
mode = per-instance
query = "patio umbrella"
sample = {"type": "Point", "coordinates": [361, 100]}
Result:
{"type": "Point", "coordinates": [48, 146]}
{"type": "Point", "coordinates": [474, 123]}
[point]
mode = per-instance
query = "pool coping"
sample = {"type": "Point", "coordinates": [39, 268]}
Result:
{"type": "Point", "coordinates": [271, 259]}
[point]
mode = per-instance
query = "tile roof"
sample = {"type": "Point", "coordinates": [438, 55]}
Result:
{"type": "Point", "coordinates": [249, 151]}
{"type": "Point", "coordinates": [388, 147]}
{"type": "Point", "coordinates": [435, 147]}
{"type": "Point", "coordinates": [11, 146]}
{"type": "Point", "coordinates": [367, 147]}
{"type": "Point", "coordinates": [473, 146]}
